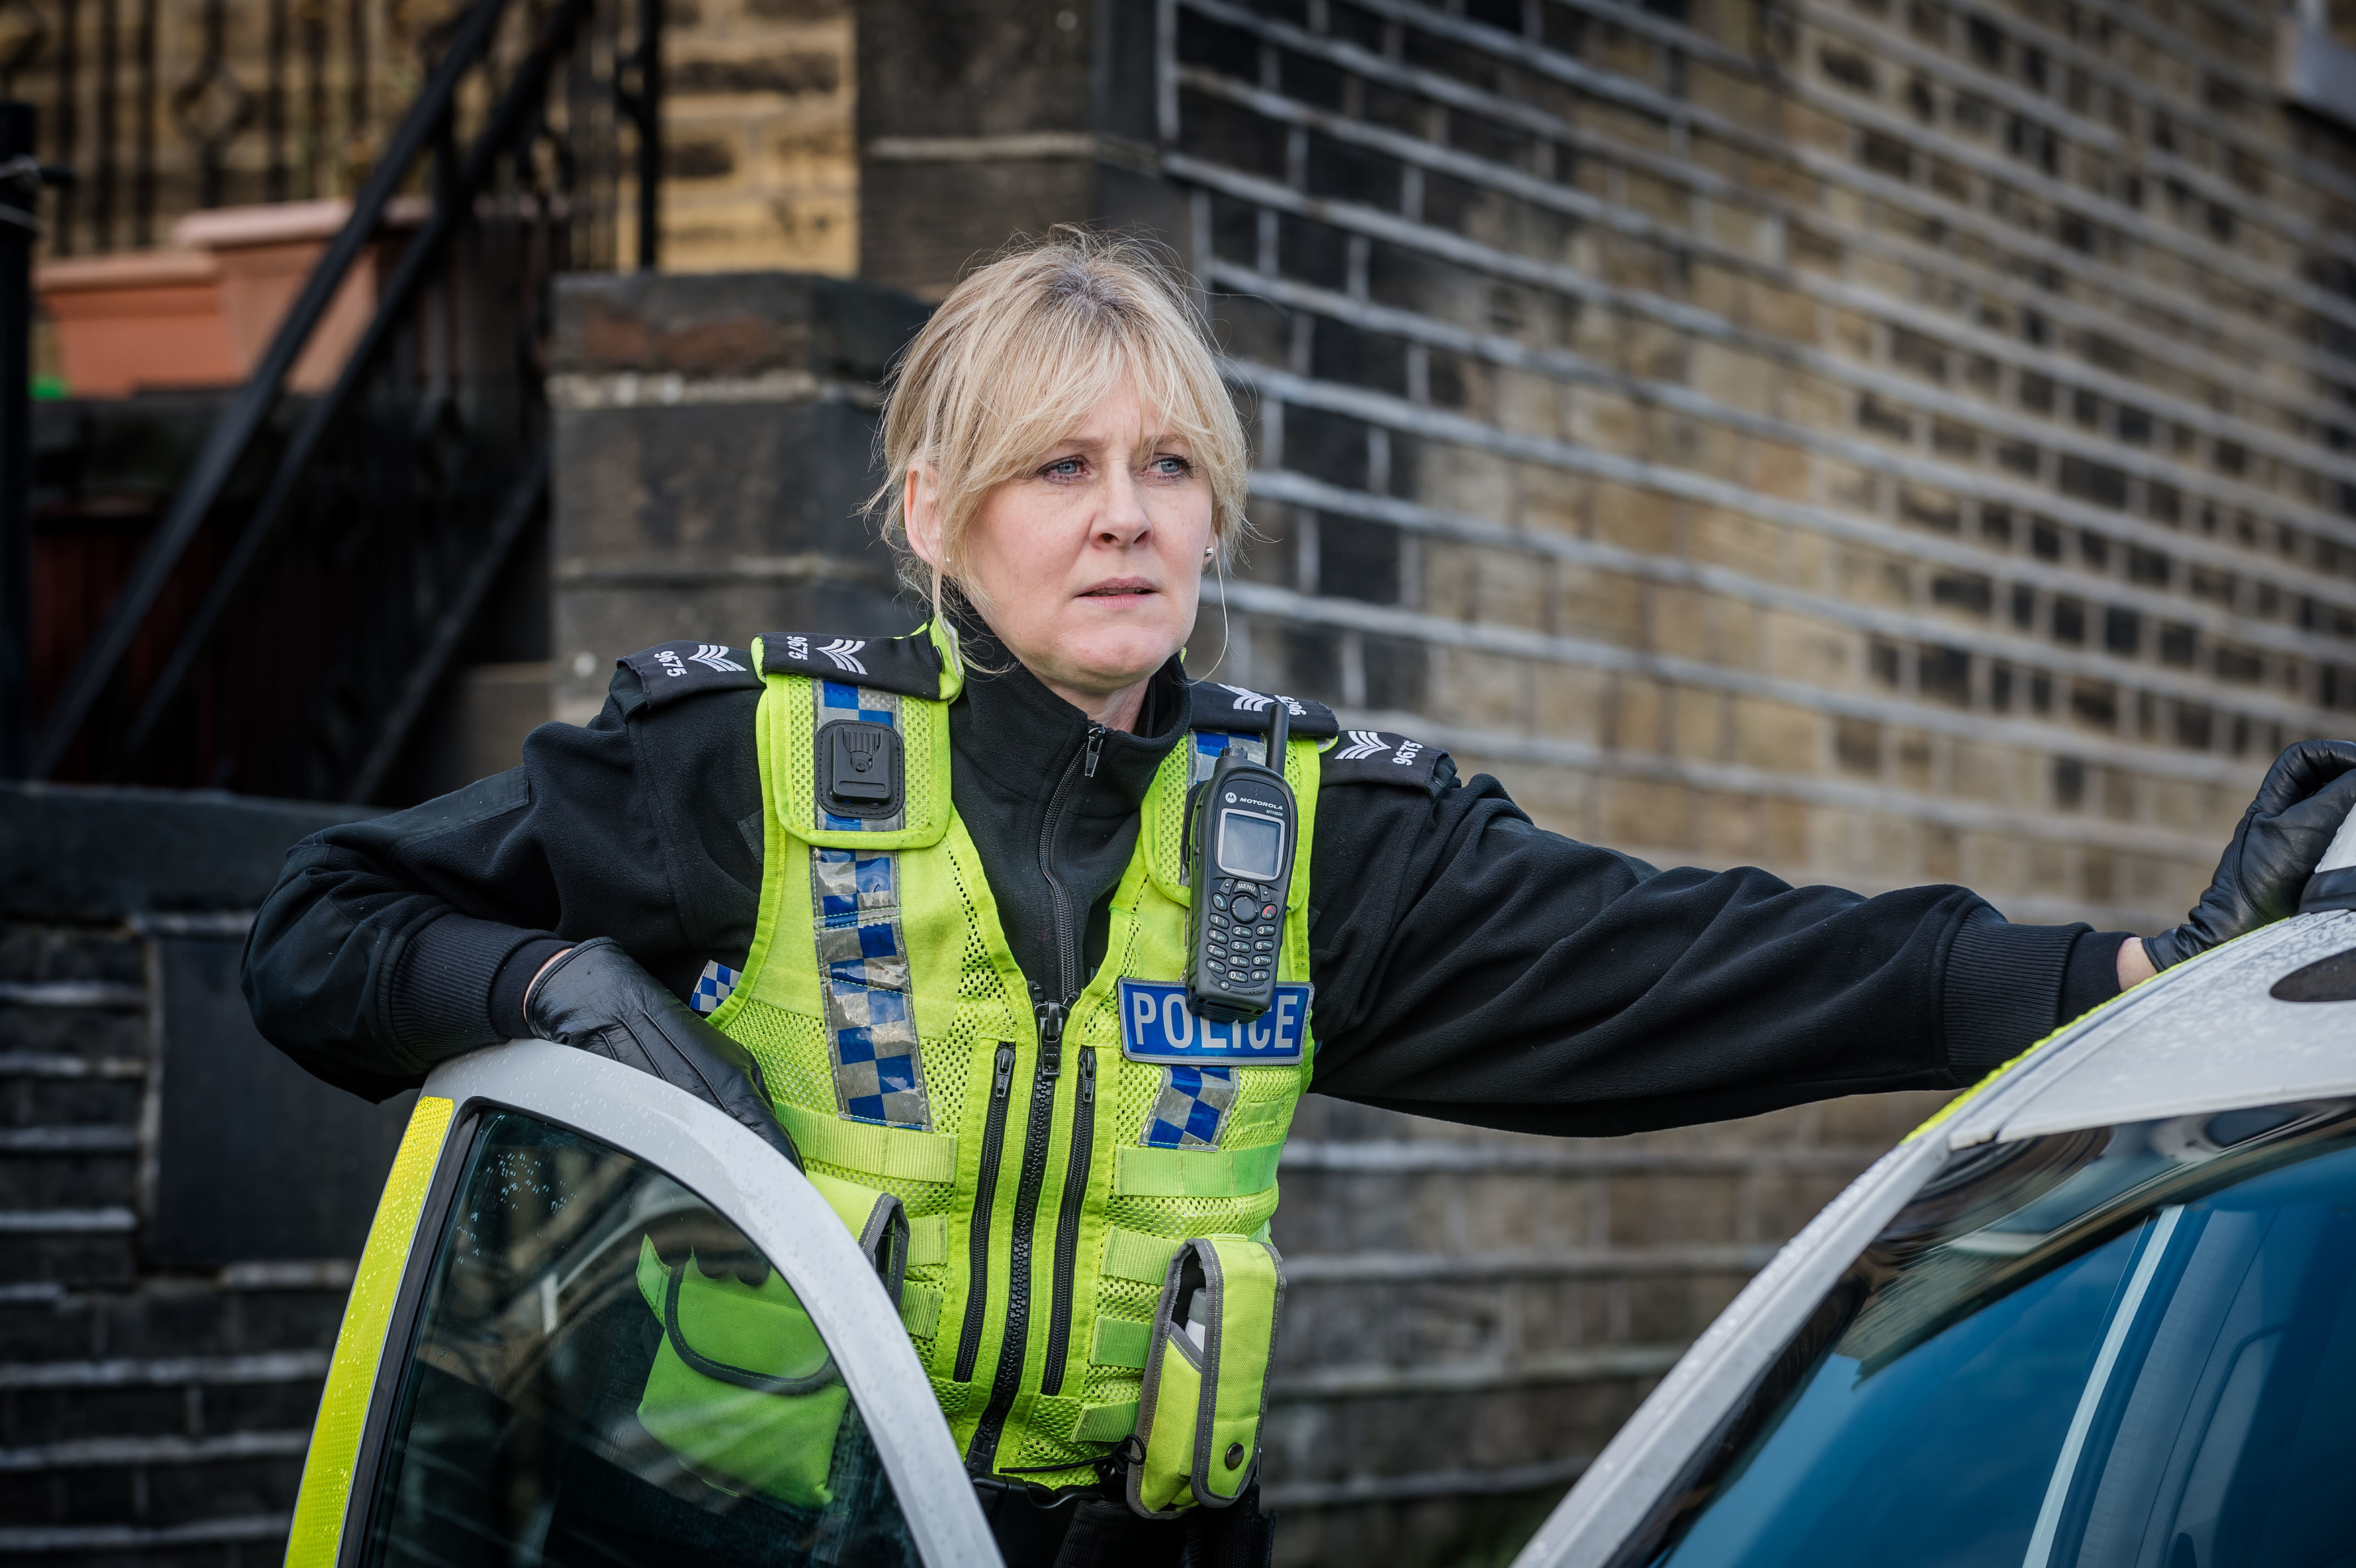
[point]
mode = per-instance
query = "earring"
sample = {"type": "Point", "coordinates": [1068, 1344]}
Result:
{"type": "Point", "coordinates": [1208, 551]}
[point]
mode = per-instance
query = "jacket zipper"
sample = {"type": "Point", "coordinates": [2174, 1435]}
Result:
{"type": "Point", "coordinates": [1067, 1226]}
{"type": "Point", "coordinates": [1067, 939]}
{"type": "Point", "coordinates": [1040, 1124]}
{"type": "Point", "coordinates": [994, 1141]}
{"type": "Point", "coordinates": [1012, 1348]}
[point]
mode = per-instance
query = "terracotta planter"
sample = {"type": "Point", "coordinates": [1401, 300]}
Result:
{"type": "Point", "coordinates": [202, 312]}
{"type": "Point", "coordinates": [150, 318]}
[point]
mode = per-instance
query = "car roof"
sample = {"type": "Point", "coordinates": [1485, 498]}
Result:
{"type": "Point", "coordinates": [2205, 1036]}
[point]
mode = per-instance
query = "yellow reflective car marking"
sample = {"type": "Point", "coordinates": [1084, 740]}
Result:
{"type": "Point", "coordinates": [320, 1507]}
{"type": "Point", "coordinates": [1968, 1095]}
{"type": "Point", "coordinates": [1948, 1110]}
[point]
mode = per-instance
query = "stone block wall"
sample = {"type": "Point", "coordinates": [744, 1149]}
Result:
{"type": "Point", "coordinates": [975, 124]}
{"type": "Point", "coordinates": [713, 449]}
{"type": "Point", "coordinates": [179, 1207]}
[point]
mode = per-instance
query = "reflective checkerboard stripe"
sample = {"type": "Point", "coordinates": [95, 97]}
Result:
{"type": "Point", "coordinates": [711, 987]}
{"type": "Point", "coordinates": [1205, 747]}
{"type": "Point", "coordinates": [862, 958]}
{"type": "Point", "coordinates": [1211, 744]}
{"type": "Point", "coordinates": [1191, 1109]}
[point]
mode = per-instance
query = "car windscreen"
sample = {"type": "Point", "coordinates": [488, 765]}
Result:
{"type": "Point", "coordinates": [2131, 1346]}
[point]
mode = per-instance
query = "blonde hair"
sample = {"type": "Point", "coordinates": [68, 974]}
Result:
{"type": "Point", "coordinates": [1012, 361]}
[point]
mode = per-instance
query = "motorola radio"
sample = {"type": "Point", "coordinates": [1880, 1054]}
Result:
{"type": "Point", "coordinates": [1240, 865]}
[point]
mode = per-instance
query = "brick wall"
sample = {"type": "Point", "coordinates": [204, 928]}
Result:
{"type": "Point", "coordinates": [1470, 1316]}
{"type": "Point", "coordinates": [163, 108]}
{"type": "Point", "coordinates": [1882, 441]}
{"type": "Point", "coordinates": [759, 100]}
{"type": "Point", "coordinates": [759, 162]}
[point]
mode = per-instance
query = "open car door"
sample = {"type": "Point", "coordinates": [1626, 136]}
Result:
{"type": "Point", "coordinates": [597, 1322]}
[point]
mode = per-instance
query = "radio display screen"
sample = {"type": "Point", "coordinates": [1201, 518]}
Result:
{"type": "Point", "coordinates": [1249, 846]}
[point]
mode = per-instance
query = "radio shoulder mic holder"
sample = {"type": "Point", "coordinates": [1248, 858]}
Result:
{"type": "Point", "coordinates": [1240, 870]}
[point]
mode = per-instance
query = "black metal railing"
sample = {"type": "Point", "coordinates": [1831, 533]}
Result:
{"type": "Point", "coordinates": [329, 557]}
{"type": "Point", "coordinates": [165, 111]}
{"type": "Point", "coordinates": [20, 185]}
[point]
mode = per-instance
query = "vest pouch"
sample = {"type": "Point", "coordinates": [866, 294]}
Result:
{"type": "Point", "coordinates": [743, 1390]}
{"type": "Point", "coordinates": [1205, 1393]}
{"type": "Point", "coordinates": [874, 1217]}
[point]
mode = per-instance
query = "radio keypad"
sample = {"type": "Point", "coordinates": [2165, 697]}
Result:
{"type": "Point", "coordinates": [1241, 942]}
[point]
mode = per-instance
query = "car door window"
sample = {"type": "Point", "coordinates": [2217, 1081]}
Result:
{"type": "Point", "coordinates": [2132, 1345]}
{"type": "Point", "coordinates": [604, 1371]}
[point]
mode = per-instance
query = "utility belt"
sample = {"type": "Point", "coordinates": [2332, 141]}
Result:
{"type": "Point", "coordinates": [1094, 1528]}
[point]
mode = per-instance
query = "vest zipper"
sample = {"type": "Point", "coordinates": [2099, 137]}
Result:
{"type": "Point", "coordinates": [994, 1141]}
{"type": "Point", "coordinates": [1008, 1381]}
{"type": "Point", "coordinates": [1067, 1226]}
{"type": "Point", "coordinates": [1036, 1130]}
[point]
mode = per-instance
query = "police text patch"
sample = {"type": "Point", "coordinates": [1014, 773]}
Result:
{"type": "Point", "coordinates": [1155, 1025]}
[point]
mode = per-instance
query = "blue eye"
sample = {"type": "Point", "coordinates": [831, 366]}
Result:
{"type": "Point", "coordinates": [1064, 467]}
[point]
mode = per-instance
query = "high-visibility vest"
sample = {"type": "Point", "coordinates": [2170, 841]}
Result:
{"type": "Point", "coordinates": [1048, 1185]}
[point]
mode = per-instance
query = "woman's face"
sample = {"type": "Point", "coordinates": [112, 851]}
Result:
{"type": "Point", "coordinates": [1090, 566]}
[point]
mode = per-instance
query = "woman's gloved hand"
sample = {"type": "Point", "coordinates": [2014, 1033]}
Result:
{"type": "Point", "coordinates": [595, 997]}
{"type": "Point", "coordinates": [2306, 794]}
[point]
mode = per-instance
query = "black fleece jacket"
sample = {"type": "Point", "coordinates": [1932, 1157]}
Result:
{"type": "Point", "coordinates": [1469, 964]}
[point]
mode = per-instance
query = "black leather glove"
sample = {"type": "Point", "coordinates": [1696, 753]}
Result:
{"type": "Point", "coordinates": [2306, 794]}
{"type": "Point", "coordinates": [595, 997]}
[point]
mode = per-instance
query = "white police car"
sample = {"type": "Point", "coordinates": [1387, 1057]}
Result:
{"type": "Point", "coordinates": [2103, 1311]}
{"type": "Point", "coordinates": [2100, 1312]}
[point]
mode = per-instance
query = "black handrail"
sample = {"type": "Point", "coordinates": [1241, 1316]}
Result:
{"type": "Point", "coordinates": [454, 200]}
{"type": "Point", "coordinates": [516, 513]}
{"type": "Point", "coordinates": [233, 434]}
{"type": "Point", "coordinates": [641, 105]}
{"type": "Point", "coordinates": [18, 199]}
{"type": "Point", "coordinates": [458, 185]}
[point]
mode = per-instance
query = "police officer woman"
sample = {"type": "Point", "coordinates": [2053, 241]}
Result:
{"type": "Point", "coordinates": [917, 910]}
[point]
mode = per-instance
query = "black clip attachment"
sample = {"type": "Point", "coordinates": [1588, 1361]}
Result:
{"type": "Point", "coordinates": [858, 769]}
